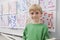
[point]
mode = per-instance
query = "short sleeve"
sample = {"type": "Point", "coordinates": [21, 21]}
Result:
{"type": "Point", "coordinates": [45, 33]}
{"type": "Point", "coordinates": [24, 33]}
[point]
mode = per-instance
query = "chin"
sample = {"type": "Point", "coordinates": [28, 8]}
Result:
{"type": "Point", "coordinates": [35, 20]}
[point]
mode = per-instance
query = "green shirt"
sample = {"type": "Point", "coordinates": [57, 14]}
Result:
{"type": "Point", "coordinates": [35, 32]}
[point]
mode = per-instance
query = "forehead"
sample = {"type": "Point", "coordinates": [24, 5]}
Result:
{"type": "Point", "coordinates": [34, 10]}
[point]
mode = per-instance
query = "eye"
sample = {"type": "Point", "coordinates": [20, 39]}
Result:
{"type": "Point", "coordinates": [32, 13]}
{"type": "Point", "coordinates": [36, 12]}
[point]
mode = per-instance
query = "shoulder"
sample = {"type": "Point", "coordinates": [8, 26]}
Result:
{"type": "Point", "coordinates": [45, 26]}
{"type": "Point", "coordinates": [28, 24]}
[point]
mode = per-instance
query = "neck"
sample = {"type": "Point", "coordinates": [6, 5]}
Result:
{"type": "Point", "coordinates": [36, 22]}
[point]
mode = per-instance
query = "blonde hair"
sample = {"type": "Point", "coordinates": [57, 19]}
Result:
{"type": "Point", "coordinates": [35, 7]}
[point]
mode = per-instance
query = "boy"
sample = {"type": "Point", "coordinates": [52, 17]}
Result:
{"type": "Point", "coordinates": [35, 30]}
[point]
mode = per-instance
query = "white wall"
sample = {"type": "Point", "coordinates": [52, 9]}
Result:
{"type": "Point", "coordinates": [58, 19]}
{"type": "Point", "coordinates": [57, 32]}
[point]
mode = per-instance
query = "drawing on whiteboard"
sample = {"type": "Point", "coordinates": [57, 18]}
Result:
{"type": "Point", "coordinates": [12, 21]}
{"type": "Point", "coordinates": [21, 5]}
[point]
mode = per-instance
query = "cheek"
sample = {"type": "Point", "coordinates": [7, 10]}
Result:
{"type": "Point", "coordinates": [40, 14]}
{"type": "Point", "coordinates": [31, 16]}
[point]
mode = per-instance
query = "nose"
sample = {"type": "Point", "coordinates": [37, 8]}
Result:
{"type": "Point", "coordinates": [34, 14]}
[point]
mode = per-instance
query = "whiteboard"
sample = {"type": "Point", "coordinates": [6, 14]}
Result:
{"type": "Point", "coordinates": [14, 13]}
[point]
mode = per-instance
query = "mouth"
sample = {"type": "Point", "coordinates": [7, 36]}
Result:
{"type": "Point", "coordinates": [35, 19]}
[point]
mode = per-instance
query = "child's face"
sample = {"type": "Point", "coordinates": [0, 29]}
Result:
{"type": "Point", "coordinates": [35, 15]}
